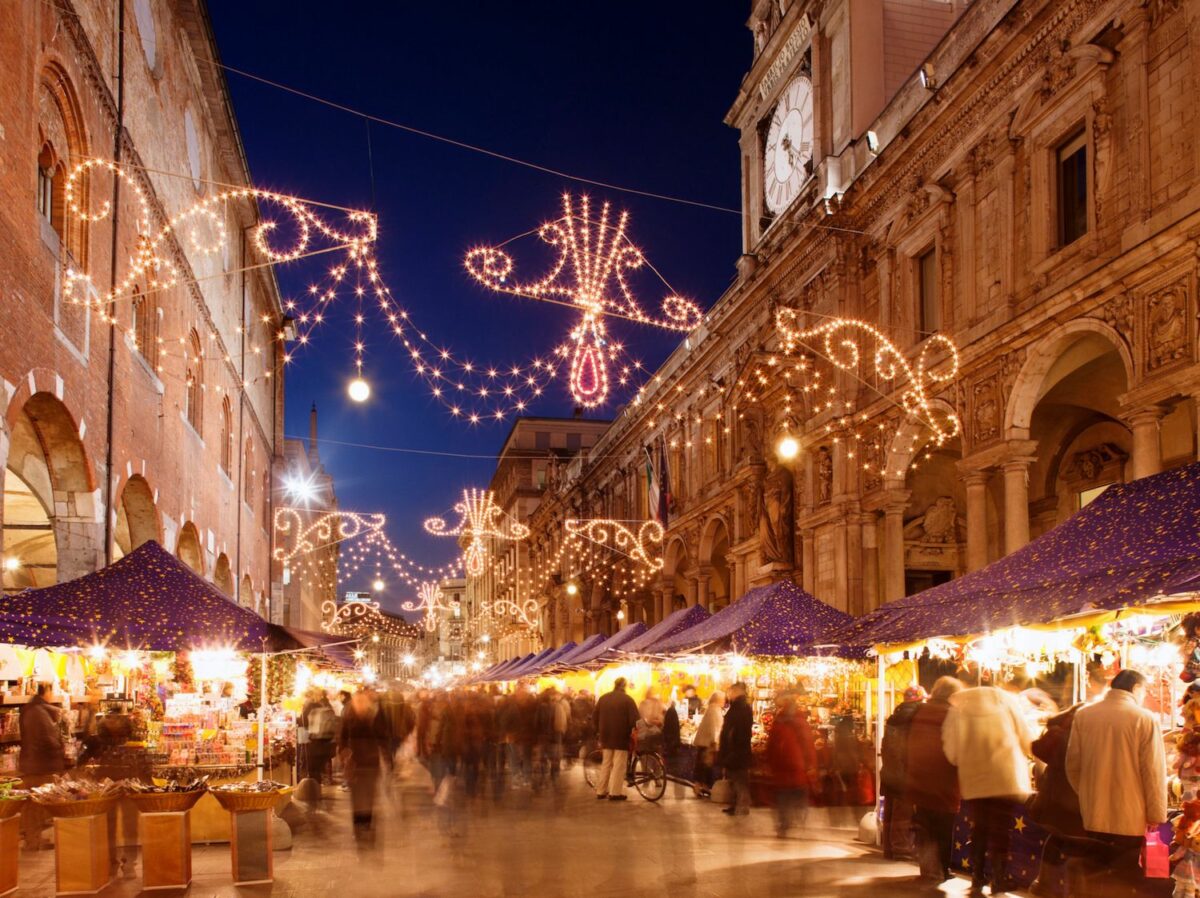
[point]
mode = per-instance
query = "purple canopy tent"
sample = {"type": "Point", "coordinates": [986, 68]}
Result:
{"type": "Point", "coordinates": [565, 660]}
{"type": "Point", "coordinates": [605, 649]}
{"type": "Point", "coordinates": [779, 619]}
{"type": "Point", "coordinates": [335, 648]}
{"type": "Point", "coordinates": [519, 670]}
{"type": "Point", "coordinates": [1138, 541]}
{"type": "Point", "coordinates": [147, 600]}
{"type": "Point", "coordinates": [498, 671]}
{"type": "Point", "coordinates": [671, 625]}
{"type": "Point", "coordinates": [537, 667]}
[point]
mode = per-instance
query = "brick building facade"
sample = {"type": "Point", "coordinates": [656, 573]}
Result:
{"type": "Point", "coordinates": [1019, 175]}
{"type": "Point", "coordinates": [177, 443]}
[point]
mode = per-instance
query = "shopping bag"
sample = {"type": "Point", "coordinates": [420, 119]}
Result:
{"type": "Point", "coordinates": [1156, 856]}
{"type": "Point", "coordinates": [722, 792]}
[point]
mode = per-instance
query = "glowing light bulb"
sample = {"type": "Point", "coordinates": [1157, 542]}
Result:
{"type": "Point", "coordinates": [12, 563]}
{"type": "Point", "coordinates": [572, 589]}
{"type": "Point", "coordinates": [788, 448]}
{"type": "Point", "coordinates": [359, 390]}
{"type": "Point", "coordinates": [378, 584]}
{"type": "Point", "coordinates": [408, 660]}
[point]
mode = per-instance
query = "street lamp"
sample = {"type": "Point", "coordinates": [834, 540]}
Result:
{"type": "Point", "coordinates": [572, 588]}
{"type": "Point", "coordinates": [787, 448]}
{"type": "Point", "coordinates": [359, 390]}
{"type": "Point", "coordinates": [378, 584]}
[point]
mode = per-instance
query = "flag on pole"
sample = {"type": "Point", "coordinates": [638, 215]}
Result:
{"type": "Point", "coordinates": [652, 486]}
{"type": "Point", "coordinates": [664, 487]}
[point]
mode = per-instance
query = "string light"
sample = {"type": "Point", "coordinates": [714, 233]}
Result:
{"type": "Point", "coordinates": [430, 603]}
{"type": "Point", "coordinates": [357, 617]}
{"type": "Point", "coordinates": [329, 528]}
{"type": "Point", "coordinates": [593, 257]}
{"type": "Point", "coordinates": [480, 517]}
{"type": "Point", "coordinates": [605, 531]}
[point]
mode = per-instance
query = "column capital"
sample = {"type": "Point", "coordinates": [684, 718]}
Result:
{"type": "Point", "coordinates": [895, 501]}
{"type": "Point", "coordinates": [975, 477]}
{"type": "Point", "coordinates": [1146, 415]}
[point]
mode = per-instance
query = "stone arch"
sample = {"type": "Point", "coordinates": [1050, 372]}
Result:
{"type": "Point", "coordinates": [909, 439]}
{"type": "Point", "coordinates": [676, 567]}
{"type": "Point", "coordinates": [137, 517]}
{"type": "Point", "coordinates": [1043, 368]}
{"type": "Point", "coordinates": [188, 548]}
{"type": "Point", "coordinates": [714, 547]}
{"type": "Point", "coordinates": [223, 575]}
{"type": "Point", "coordinates": [52, 516]}
{"type": "Point", "coordinates": [246, 593]}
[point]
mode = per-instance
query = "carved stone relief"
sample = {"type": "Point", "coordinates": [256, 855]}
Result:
{"type": "Point", "coordinates": [1167, 325]}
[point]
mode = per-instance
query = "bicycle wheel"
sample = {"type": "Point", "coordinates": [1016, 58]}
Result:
{"type": "Point", "coordinates": [650, 776]}
{"type": "Point", "coordinates": [591, 767]}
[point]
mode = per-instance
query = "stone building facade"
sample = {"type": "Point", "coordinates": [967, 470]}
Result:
{"type": "Point", "coordinates": [533, 460]}
{"type": "Point", "coordinates": [1018, 175]}
{"type": "Point", "coordinates": [165, 425]}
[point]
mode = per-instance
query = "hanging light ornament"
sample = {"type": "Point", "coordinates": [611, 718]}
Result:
{"type": "Point", "coordinates": [430, 602]}
{"type": "Point", "coordinates": [480, 517]}
{"type": "Point", "coordinates": [588, 273]}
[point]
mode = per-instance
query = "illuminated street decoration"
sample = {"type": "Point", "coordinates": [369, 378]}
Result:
{"type": "Point", "coordinates": [430, 603]}
{"type": "Point", "coordinates": [589, 273]}
{"type": "Point", "coordinates": [525, 611]}
{"type": "Point", "coordinates": [480, 517]}
{"type": "Point", "coordinates": [636, 545]}
{"type": "Point", "coordinates": [358, 617]}
{"type": "Point", "coordinates": [844, 341]}
{"type": "Point", "coordinates": [329, 528]}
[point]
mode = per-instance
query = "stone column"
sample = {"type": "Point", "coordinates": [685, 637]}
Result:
{"type": "Point", "coordinates": [808, 559]}
{"type": "Point", "coordinates": [1016, 502]}
{"type": "Point", "coordinates": [977, 535]}
{"type": "Point", "coordinates": [895, 502]}
{"type": "Point", "coordinates": [1147, 440]}
{"type": "Point", "coordinates": [701, 596]}
{"type": "Point", "coordinates": [870, 553]}
{"type": "Point", "coordinates": [736, 565]}
{"type": "Point", "coordinates": [666, 598]}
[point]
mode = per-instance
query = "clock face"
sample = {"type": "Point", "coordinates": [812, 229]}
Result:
{"type": "Point", "coordinates": [789, 146]}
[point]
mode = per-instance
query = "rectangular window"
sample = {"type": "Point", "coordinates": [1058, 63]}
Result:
{"type": "Point", "coordinates": [1072, 172]}
{"type": "Point", "coordinates": [927, 293]}
{"type": "Point", "coordinates": [574, 441]}
{"type": "Point", "coordinates": [541, 440]}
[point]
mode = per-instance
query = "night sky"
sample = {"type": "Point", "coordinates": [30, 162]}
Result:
{"type": "Point", "coordinates": [632, 93]}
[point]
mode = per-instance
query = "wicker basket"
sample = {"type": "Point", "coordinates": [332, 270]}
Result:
{"type": "Point", "coordinates": [10, 807]}
{"type": "Point", "coordinates": [165, 802]}
{"type": "Point", "coordinates": [247, 801]}
{"type": "Point", "coordinates": [86, 807]}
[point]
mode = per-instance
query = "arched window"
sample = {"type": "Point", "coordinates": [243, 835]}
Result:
{"type": "Point", "coordinates": [193, 406]}
{"type": "Point", "coordinates": [248, 475]}
{"type": "Point", "coordinates": [226, 435]}
{"type": "Point", "coordinates": [60, 145]}
{"type": "Point", "coordinates": [144, 325]}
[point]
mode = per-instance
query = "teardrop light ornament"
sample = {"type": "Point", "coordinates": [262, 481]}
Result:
{"type": "Point", "coordinates": [589, 363]}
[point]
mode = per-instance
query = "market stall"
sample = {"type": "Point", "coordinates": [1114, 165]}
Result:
{"type": "Point", "coordinates": [1114, 586]}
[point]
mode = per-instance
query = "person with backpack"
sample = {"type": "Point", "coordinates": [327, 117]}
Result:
{"type": "Point", "coordinates": [319, 719]}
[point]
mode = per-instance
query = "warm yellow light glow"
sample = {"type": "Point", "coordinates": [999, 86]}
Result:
{"type": "Point", "coordinates": [572, 589]}
{"type": "Point", "coordinates": [218, 664]}
{"type": "Point", "coordinates": [377, 584]}
{"type": "Point", "coordinates": [374, 637]}
{"type": "Point", "coordinates": [788, 448]}
{"type": "Point", "coordinates": [98, 652]}
{"type": "Point", "coordinates": [480, 517]}
{"type": "Point", "coordinates": [359, 390]}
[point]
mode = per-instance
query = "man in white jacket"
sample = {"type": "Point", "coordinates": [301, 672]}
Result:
{"type": "Point", "coordinates": [1115, 761]}
{"type": "Point", "coordinates": [986, 737]}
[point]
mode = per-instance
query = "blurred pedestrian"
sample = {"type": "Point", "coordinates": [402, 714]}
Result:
{"type": "Point", "coordinates": [1055, 806]}
{"type": "Point", "coordinates": [932, 781]}
{"type": "Point", "coordinates": [363, 744]}
{"type": "Point", "coordinates": [651, 709]}
{"type": "Point", "coordinates": [792, 754]}
{"type": "Point", "coordinates": [705, 743]}
{"type": "Point", "coordinates": [695, 707]}
{"type": "Point", "coordinates": [43, 755]}
{"type": "Point", "coordinates": [893, 778]}
{"type": "Point", "coordinates": [319, 719]}
{"type": "Point", "coordinates": [613, 720]}
{"type": "Point", "coordinates": [582, 733]}
{"type": "Point", "coordinates": [734, 753]}
{"type": "Point", "coordinates": [1116, 764]}
{"type": "Point", "coordinates": [987, 738]}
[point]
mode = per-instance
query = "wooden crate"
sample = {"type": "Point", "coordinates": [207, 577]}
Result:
{"type": "Point", "coordinates": [10, 838]}
{"type": "Point", "coordinates": [82, 864]}
{"type": "Point", "coordinates": [166, 838]}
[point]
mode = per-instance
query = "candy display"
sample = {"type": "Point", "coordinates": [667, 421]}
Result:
{"type": "Point", "coordinates": [250, 788]}
{"type": "Point", "coordinates": [67, 789]}
{"type": "Point", "coordinates": [137, 787]}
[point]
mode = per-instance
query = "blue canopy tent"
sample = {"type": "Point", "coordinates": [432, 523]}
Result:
{"type": "Point", "coordinates": [673, 624]}
{"type": "Point", "coordinates": [565, 660]}
{"type": "Point", "coordinates": [600, 652]}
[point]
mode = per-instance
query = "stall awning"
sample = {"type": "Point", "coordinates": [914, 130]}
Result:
{"type": "Point", "coordinates": [539, 665]}
{"type": "Point", "coordinates": [671, 625]}
{"type": "Point", "coordinates": [565, 660]}
{"type": "Point", "coordinates": [335, 649]}
{"type": "Point", "coordinates": [1138, 541]}
{"type": "Point", "coordinates": [529, 664]}
{"type": "Point", "coordinates": [605, 651]}
{"type": "Point", "coordinates": [779, 619]}
{"type": "Point", "coordinates": [497, 672]}
{"type": "Point", "coordinates": [147, 600]}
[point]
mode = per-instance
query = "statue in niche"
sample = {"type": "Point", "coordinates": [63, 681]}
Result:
{"type": "Point", "coordinates": [752, 447]}
{"type": "Point", "coordinates": [940, 524]}
{"type": "Point", "coordinates": [824, 474]}
{"type": "Point", "coordinates": [776, 522]}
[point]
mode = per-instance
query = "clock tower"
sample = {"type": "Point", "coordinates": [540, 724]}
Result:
{"type": "Point", "coordinates": [816, 83]}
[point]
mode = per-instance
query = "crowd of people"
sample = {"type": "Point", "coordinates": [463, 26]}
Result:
{"type": "Point", "coordinates": [1101, 781]}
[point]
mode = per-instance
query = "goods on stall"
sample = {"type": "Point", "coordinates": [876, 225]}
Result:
{"type": "Point", "coordinates": [11, 801]}
{"type": "Point", "coordinates": [69, 797]}
{"type": "Point", "coordinates": [256, 796]}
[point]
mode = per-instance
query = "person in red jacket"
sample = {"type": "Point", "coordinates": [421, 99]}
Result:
{"type": "Point", "coordinates": [792, 755]}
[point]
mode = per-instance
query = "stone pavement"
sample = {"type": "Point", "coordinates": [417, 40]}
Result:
{"type": "Point", "coordinates": [564, 845]}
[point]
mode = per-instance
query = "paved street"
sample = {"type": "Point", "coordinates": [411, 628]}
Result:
{"type": "Point", "coordinates": [681, 847]}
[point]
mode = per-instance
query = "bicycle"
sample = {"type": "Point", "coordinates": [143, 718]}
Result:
{"type": "Point", "coordinates": [645, 771]}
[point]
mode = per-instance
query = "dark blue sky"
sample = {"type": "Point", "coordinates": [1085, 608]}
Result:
{"type": "Point", "coordinates": [627, 92]}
